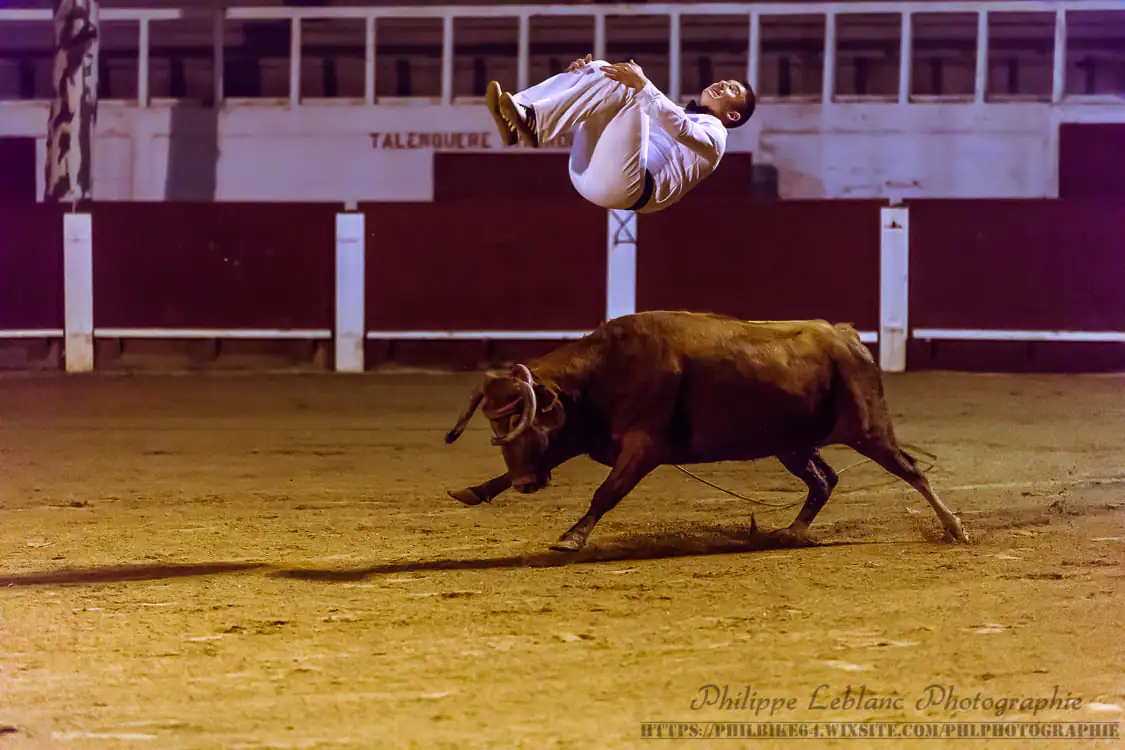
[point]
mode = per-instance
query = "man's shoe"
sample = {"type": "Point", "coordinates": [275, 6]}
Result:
{"type": "Point", "coordinates": [520, 116]}
{"type": "Point", "coordinates": [508, 134]}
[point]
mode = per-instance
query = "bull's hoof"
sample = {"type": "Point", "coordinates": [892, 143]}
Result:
{"type": "Point", "coordinates": [568, 543]}
{"type": "Point", "coordinates": [791, 538]}
{"type": "Point", "coordinates": [956, 532]}
{"type": "Point", "coordinates": [466, 496]}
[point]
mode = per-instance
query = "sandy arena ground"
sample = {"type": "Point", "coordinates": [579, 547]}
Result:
{"type": "Point", "coordinates": [237, 561]}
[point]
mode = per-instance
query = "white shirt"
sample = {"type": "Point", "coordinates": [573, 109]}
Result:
{"type": "Point", "coordinates": [683, 149]}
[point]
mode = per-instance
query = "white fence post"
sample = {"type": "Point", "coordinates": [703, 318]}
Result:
{"type": "Point", "coordinates": [621, 265]}
{"type": "Point", "coordinates": [351, 324]}
{"type": "Point", "coordinates": [294, 62]}
{"type": "Point", "coordinates": [894, 287]}
{"type": "Point", "coordinates": [980, 85]}
{"type": "Point", "coordinates": [1058, 75]}
{"type": "Point", "coordinates": [78, 291]}
{"type": "Point", "coordinates": [828, 77]}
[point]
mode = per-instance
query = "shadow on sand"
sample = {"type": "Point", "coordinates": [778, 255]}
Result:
{"type": "Point", "coordinates": [121, 573]}
{"type": "Point", "coordinates": [708, 541]}
{"type": "Point", "coordinates": [698, 542]}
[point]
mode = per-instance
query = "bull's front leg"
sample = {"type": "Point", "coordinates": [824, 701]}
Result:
{"type": "Point", "coordinates": [638, 457]}
{"type": "Point", "coordinates": [484, 492]}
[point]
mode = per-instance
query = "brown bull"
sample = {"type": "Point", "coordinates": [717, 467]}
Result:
{"type": "Point", "coordinates": [680, 388]}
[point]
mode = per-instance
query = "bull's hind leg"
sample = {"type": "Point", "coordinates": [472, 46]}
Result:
{"type": "Point", "coordinates": [815, 472]}
{"type": "Point", "coordinates": [482, 493]}
{"type": "Point", "coordinates": [901, 464]}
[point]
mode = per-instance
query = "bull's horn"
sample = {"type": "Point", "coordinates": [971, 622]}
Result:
{"type": "Point", "coordinates": [526, 419]}
{"type": "Point", "coordinates": [523, 373]}
{"type": "Point", "coordinates": [530, 405]}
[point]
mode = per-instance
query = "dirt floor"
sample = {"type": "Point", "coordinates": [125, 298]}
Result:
{"type": "Point", "coordinates": [237, 561]}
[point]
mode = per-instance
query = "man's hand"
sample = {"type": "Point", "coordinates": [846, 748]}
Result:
{"type": "Point", "coordinates": [579, 63]}
{"type": "Point", "coordinates": [626, 73]}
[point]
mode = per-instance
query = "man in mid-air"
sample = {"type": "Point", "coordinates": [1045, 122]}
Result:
{"type": "Point", "coordinates": [634, 149]}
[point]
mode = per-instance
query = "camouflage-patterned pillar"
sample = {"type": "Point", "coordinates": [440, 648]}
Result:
{"type": "Point", "coordinates": [74, 111]}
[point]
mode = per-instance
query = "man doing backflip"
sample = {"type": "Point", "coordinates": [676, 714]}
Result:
{"type": "Point", "coordinates": [634, 149]}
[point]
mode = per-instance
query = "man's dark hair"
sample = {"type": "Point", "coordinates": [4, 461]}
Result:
{"type": "Point", "coordinates": [747, 110]}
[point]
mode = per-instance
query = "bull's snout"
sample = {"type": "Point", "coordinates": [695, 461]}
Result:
{"type": "Point", "coordinates": [526, 486]}
{"type": "Point", "coordinates": [529, 484]}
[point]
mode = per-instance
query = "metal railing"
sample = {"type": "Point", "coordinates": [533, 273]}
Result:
{"type": "Point", "coordinates": [754, 14]}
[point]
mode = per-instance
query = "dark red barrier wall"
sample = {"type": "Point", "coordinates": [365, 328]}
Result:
{"type": "Point", "coordinates": [214, 265]}
{"type": "Point", "coordinates": [485, 265]}
{"type": "Point", "coordinates": [31, 266]}
{"type": "Point", "coordinates": [1091, 160]}
{"type": "Point", "coordinates": [517, 174]}
{"type": "Point", "coordinates": [1017, 264]}
{"type": "Point", "coordinates": [775, 260]}
{"type": "Point", "coordinates": [732, 181]}
{"type": "Point", "coordinates": [17, 169]}
{"type": "Point", "coordinates": [523, 174]}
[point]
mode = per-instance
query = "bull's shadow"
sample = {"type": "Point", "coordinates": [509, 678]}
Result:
{"type": "Point", "coordinates": [123, 573]}
{"type": "Point", "coordinates": [710, 540]}
{"type": "Point", "coordinates": [701, 541]}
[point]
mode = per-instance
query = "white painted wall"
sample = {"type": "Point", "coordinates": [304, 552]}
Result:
{"type": "Point", "coordinates": [263, 150]}
{"type": "Point", "coordinates": [918, 150]}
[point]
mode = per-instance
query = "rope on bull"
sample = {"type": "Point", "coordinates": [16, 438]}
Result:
{"type": "Point", "coordinates": [783, 506]}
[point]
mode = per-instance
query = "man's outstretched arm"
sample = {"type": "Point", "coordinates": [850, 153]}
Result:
{"type": "Point", "coordinates": [703, 138]}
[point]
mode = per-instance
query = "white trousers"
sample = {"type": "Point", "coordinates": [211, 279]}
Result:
{"type": "Point", "coordinates": [610, 151]}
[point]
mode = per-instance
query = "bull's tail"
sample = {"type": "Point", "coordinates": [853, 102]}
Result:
{"type": "Point", "coordinates": [931, 459]}
{"type": "Point", "coordinates": [463, 420]}
{"type": "Point", "coordinates": [850, 335]}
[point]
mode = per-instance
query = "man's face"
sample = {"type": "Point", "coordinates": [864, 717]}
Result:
{"type": "Point", "coordinates": [726, 99]}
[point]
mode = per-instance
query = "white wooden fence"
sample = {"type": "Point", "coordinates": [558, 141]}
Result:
{"type": "Point", "coordinates": [753, 13]}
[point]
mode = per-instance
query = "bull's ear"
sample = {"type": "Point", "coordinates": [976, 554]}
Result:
{"type": "Point", "coordinates": [551, 412]}
{"type": "Point", "coordinates": [546, 398]}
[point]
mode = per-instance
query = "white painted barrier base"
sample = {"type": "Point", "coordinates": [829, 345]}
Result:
{"type": "Point", "coordinates": [78, 291]}
{"type": "Point", "coordinates": [1074, 337]}
{"type": "Point", "coordinates": [351, 323]}
{"type": "Point", "coordinates": [894, 288]}
{"type": "Point", "coordinates": [621, 265]}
